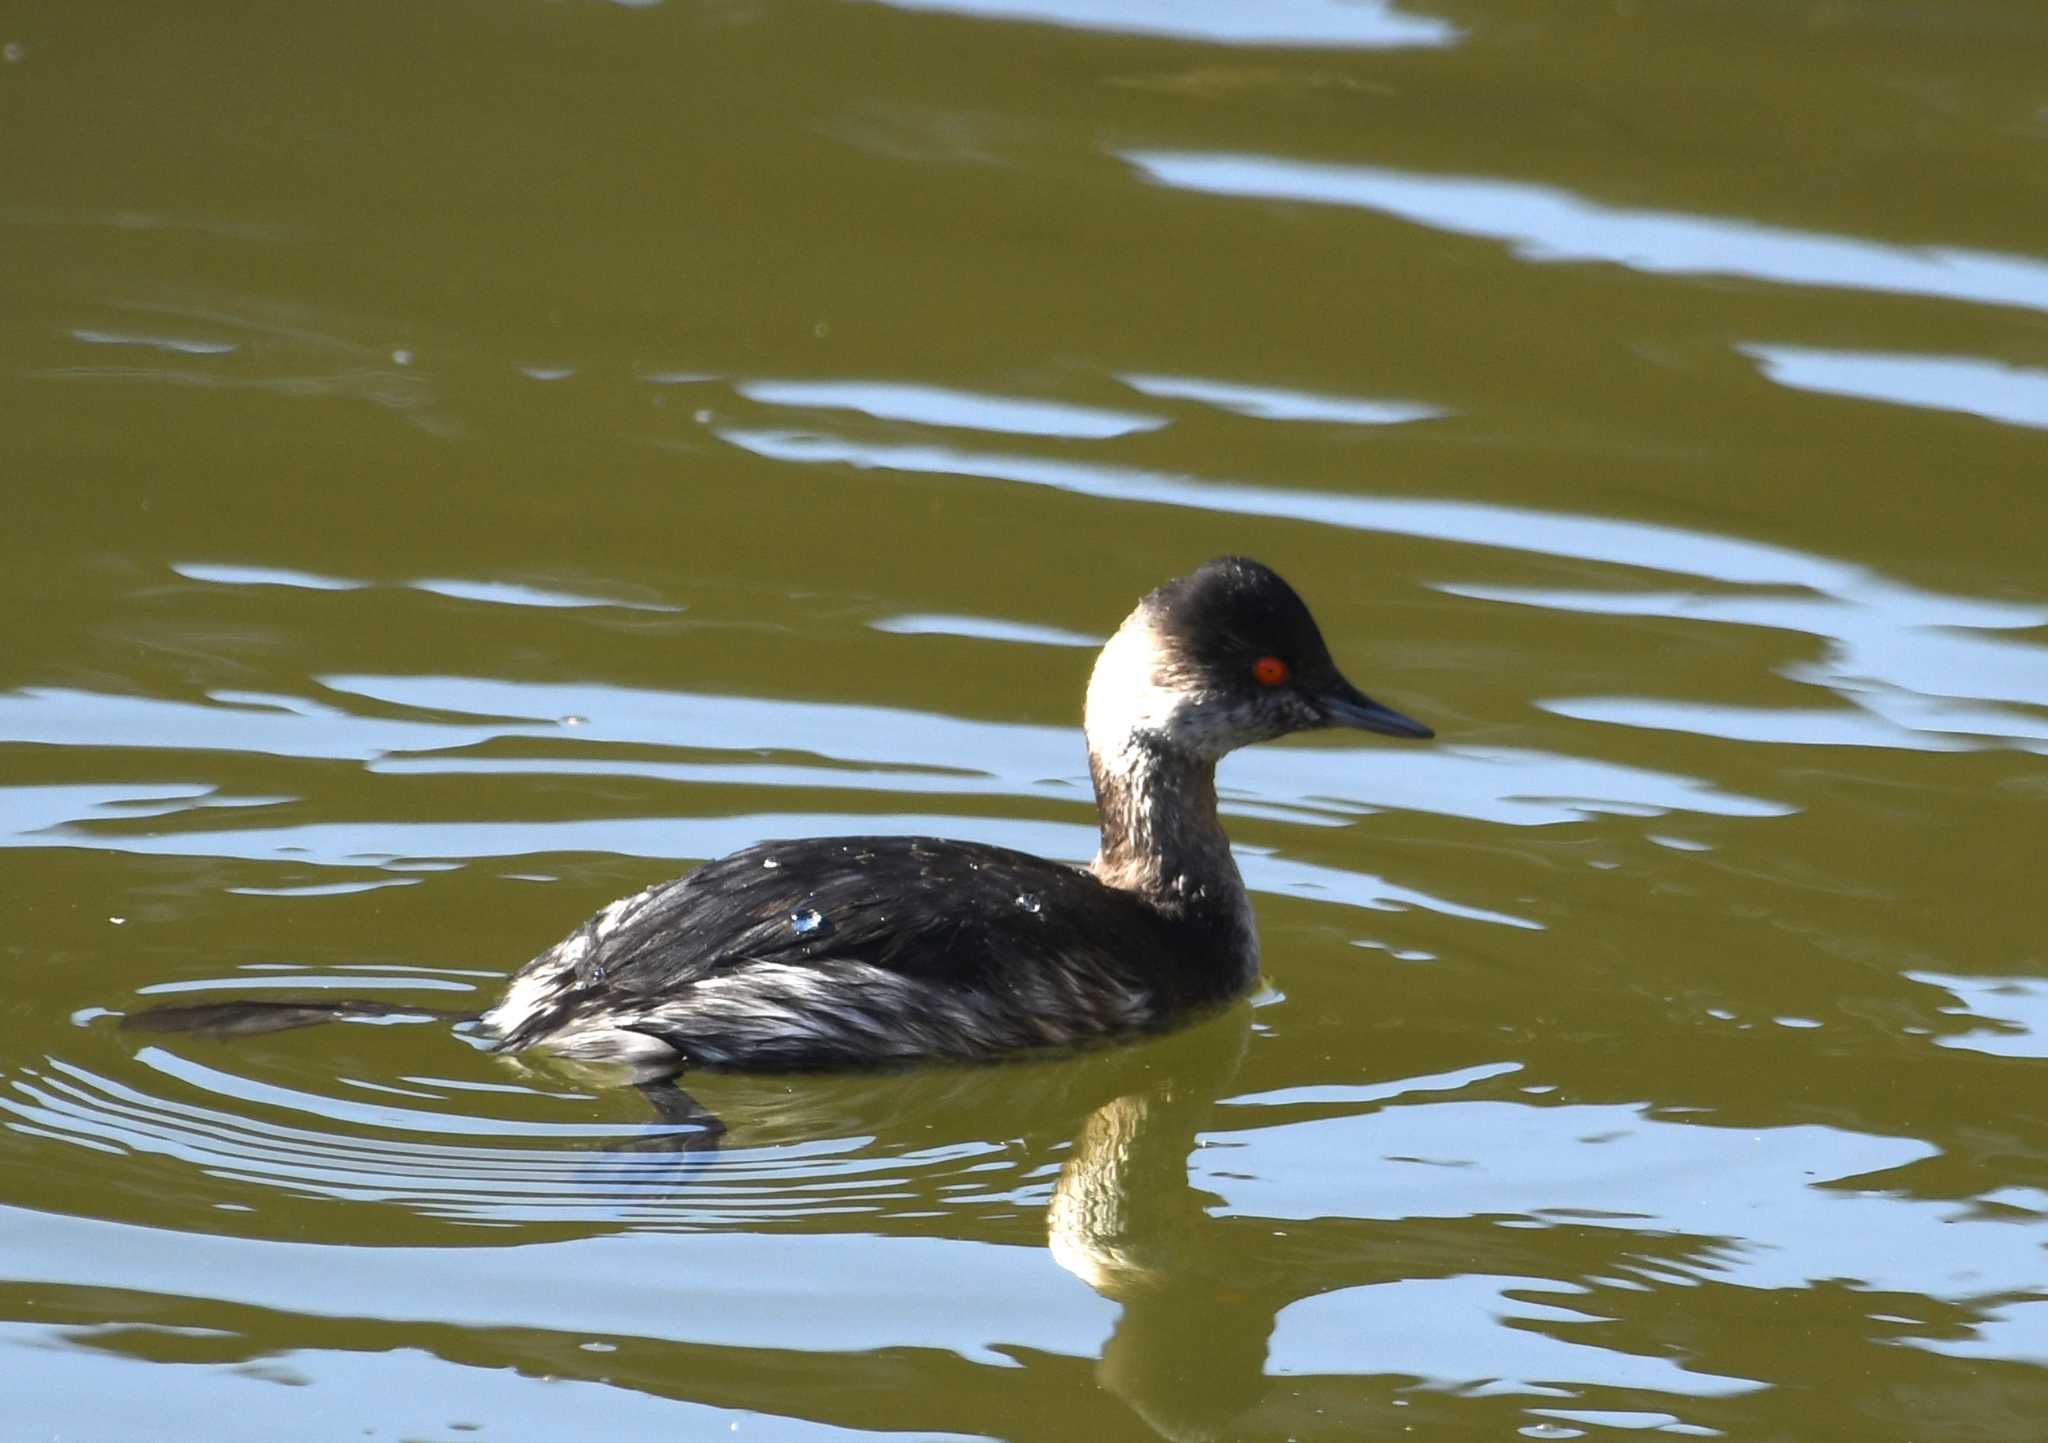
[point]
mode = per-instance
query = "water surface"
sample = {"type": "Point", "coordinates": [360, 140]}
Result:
{"type": "Point", "coordinates": [471, 462]}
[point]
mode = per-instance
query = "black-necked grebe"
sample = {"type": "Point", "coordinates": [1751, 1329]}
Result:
{"type": "Point", "coordinates": [862, 951]}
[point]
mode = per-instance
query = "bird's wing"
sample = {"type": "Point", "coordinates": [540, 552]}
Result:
{"type": "Point", "coordinates": [937, 910]}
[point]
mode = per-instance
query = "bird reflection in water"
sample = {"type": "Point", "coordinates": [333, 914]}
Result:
{"type": "Point", "coordinates": [1188, 1353]}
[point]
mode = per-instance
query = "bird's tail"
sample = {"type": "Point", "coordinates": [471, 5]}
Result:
{"type": "Point", "coordinates": [243, 1019]}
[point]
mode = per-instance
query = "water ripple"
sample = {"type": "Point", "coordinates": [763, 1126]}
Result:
{"type": "Point", "coordinates": [983, 628]}
{"type": "Point", "coordinates": [823, 744]}
{"type": "Point", "coordinates": [259, 1393]}
{"type": "Point", "coordinates": [1472, 1330]}
{"type": "Point", "coordinates": [809, 1294]}
{"type": "Point", "coordinates": [943, 406]}
{"type": "Point", "coordinates": [1777, 1207]}
{"type": "Point", "coordinates": [2012, 394]}
{"type": "Point", "coordinates": [1272, 403]}
{"type": "Point", "coordinates": [1548, 225]}
{"type": "Point", "coordinates": [1613, 540]}
{"type": "Point", "coordinates": [453, 1164]}
{"type": "Point", "coordinates": [2016, 1009]}
{"type": "Point", "coordinates": [1321, 24]}
{"type": "Point", "coordinates": [1903, 659]}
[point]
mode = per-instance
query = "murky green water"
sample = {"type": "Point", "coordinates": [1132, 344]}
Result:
{"type": "Point", "coordinates": [467, 461]}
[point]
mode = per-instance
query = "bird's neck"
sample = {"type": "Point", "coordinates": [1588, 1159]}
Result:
{"type": "Point", "coordinates": [1161, 837]}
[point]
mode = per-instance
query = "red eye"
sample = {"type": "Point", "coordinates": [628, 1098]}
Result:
{"type": "Point", "coordinates": [1269, 670]}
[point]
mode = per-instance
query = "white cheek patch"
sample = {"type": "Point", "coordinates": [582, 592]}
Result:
{"type": "Point", "coordinates": [1127, 703]}
{"type": "Point", "coordinates": [1123, 699]}
{"type": "Point", "coordinates": [1126, 700]}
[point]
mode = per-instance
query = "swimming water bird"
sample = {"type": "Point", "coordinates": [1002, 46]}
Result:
{"type": "Point", "coordinates": [863, 951]}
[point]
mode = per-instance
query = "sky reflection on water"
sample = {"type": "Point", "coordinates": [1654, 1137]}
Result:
{"type": "Point", "coordinates": [1338, 24]}
{"type": "Point", "coordinates": [1548, 225]}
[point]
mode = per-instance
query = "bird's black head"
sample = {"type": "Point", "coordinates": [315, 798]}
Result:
{"type": "Point", "coordinates": [1225, 656]}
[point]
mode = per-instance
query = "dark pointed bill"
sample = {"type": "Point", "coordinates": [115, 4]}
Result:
{"type": "Point", "coordinates": [1344, 705]}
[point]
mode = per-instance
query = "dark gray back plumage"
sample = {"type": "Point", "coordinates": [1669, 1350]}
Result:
{"type": "Point", "coordinates": [975, 931]}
